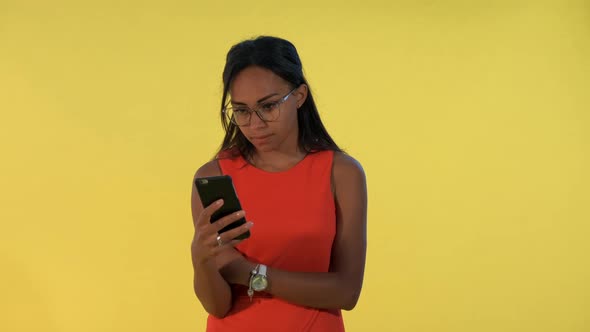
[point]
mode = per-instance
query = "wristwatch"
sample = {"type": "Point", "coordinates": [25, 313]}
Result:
{"type": "Point", "coordinates": [258, 280]}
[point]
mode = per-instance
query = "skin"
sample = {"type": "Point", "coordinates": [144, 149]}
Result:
{"type": "Point", "coordinates": [215, 267]}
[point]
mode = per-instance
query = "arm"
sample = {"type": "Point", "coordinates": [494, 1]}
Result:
{"type": "Point", "coordinates": [341, 286]}
{"type": "Point", "coordinates": [210, 287]}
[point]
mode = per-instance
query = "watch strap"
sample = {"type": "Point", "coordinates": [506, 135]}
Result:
{"type": "Point", "coordinates": [262, 270]}
{"type": "Point", "coordinates": [253, 273]}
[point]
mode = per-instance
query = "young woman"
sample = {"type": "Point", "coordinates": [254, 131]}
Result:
{"type": "Point", "coordinates": [305, 199]}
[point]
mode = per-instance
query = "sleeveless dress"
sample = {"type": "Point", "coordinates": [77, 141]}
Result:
{"type": "Point", "coordinates": [294, 227]}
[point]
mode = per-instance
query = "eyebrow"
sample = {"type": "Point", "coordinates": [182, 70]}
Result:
{"type": "Point", "coordinates": [258, 102]}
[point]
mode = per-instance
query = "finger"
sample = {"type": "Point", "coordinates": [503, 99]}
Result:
{"type": "Point", "coordinates": [205, 217]}
{"type": "Point", "coordinates": [235, 232]}
{"type": "Point", "coordinates": [227, 220]}
{"type": "Point", "coordinates": [222, 247]}
{"type": "Point", "coordinates": [232, 243]}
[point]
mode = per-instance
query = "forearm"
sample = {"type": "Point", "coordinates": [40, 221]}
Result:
{"type": "Point", "coordinates": [211, 289]}
{"type": "Point", "coordinates": [321, 290]}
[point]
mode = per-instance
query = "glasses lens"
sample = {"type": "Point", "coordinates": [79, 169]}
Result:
{"type": "Point", "coordinates": [238, 117]}
{"type": "Point", "coordinates": [241, 116]}
{"type": "Point", "coordinates": [269, 112]}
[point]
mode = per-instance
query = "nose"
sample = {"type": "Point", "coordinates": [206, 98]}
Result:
{"type": "Point", "coordinates": [256, 121]}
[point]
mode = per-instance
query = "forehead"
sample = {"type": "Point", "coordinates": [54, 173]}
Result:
{"type": "Point", "coordinates": [253, 83]}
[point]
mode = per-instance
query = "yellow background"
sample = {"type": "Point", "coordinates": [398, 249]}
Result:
{"type": "Point", "coordinates": [471, 119]}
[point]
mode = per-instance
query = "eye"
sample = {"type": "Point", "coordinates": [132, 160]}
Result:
{"type": "Point", "coordinates": [240, 111]}
{"type": "Point", "coordinates": [268, 107]}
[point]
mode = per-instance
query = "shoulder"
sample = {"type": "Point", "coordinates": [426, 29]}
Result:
{"type": "Point", "coordinates": [347, 172]}
{"type": "Point", "coordinates": [210, 168]}
{"type": "Point", "coordinates": [346, 165]}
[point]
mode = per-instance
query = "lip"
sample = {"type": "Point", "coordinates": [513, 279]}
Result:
{"type": "Point", "coordinates": [261, 138]}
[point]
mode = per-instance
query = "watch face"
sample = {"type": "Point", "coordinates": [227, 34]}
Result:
{"type": "Point", "coordinates": [259, 283]}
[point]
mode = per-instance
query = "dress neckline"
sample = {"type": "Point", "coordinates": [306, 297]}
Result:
{"type": "Point", "coordinates": [288, 170]}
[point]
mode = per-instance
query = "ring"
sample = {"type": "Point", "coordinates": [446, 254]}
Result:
{"type": "Point", "coordinates": [219, 242]}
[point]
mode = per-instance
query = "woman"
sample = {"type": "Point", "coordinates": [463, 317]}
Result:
{"type": "Point", "coordinates": [305, 199]}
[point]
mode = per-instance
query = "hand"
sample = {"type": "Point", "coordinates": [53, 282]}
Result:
{"type": "Point", "coordinates": [207, 242]}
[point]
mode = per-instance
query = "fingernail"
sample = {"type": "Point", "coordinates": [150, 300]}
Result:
{"type": "Point", "coordinates": [240, 213]}
{"type": "Point", "coordinates": [219, 202]}
{"type": "Point", "coordinates": [249, 224]}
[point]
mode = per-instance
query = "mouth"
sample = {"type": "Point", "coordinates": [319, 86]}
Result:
{"type": "Point", "coordinates": [261, 138]}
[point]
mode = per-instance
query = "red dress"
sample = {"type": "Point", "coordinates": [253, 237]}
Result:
{"type": "Point", "coordinates": [294, 227]}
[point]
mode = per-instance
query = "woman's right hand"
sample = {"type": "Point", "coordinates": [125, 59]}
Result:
{"type": "Point", "coordinates": [206, 245]}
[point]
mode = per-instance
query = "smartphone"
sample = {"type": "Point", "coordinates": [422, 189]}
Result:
{"type": "Point", "coordinates": [211, 189]}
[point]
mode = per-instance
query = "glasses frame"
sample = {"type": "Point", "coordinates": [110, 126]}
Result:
{"type": "Point", "coordinates": [257, 110]}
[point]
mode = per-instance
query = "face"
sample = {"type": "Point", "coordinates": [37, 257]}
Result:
{"type": "Point", "coordinates": [256, 88]}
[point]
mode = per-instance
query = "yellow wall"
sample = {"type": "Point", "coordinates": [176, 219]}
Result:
{"type": "Point", "coordinates": [471, 119]}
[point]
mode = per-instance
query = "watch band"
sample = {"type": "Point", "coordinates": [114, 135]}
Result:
{"type": "Point", "coordinates": [262, 270]}
{"type": "Point", "coordinates": [252, 274]}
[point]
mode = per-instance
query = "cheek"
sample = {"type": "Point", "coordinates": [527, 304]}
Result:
{"type": "Point", "coordinates": [284, 127]}
{"type": "Point", "coordinates": [245, 132]}
{"type": "Point", "coordinates": [290, 120]}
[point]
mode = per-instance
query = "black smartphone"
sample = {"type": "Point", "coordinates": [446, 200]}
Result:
{"type": "Point", "coordinates": [211, 189]}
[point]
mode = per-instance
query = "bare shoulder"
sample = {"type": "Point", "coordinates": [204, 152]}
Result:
{"type": "Point", "coordinates": [210, 168]}
{"type": "Point", "coordinates": [347, 175]}
{"type": "Point", "coordinates": [345, 166]}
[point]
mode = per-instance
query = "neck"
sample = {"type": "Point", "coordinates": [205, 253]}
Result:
{"type": "Point", "coordinates": [277, 156]}
{"type": "Point", "coordinates": [288, 153]}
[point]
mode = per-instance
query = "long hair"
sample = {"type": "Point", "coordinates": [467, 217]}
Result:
{"type": "Point", "coordinates": [279, 56]}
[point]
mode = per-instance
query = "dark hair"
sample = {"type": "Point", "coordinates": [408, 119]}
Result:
{"type": "Point", "coordinates": [279, 56]}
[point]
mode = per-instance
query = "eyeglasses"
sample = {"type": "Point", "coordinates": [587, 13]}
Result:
{"type": "Point", "coordinates": [267, 112]}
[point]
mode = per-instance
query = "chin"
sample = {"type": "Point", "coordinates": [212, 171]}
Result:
{"type": "Point", "coordinates": [264, 147]}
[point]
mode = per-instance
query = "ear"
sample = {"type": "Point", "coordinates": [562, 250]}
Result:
{"type": "Point", "coordinates": [301, 95]}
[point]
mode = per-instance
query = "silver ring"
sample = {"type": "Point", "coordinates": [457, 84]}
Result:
{"type": "Point", "coordinates": [219, 242]}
